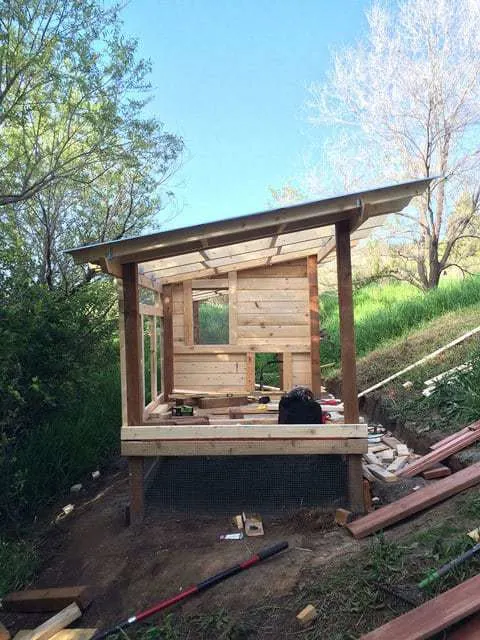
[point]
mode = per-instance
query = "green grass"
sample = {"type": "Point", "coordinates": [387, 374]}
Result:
{"type": "Point", "coordinates": [390, 311]}
{"type": "Point", "coordinates": [18, 561]}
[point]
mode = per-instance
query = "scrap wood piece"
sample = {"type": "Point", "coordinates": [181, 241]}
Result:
{"type": "Point", "coordinates": [381, 473]}
{"type": "Point", "coordinates": [368, 475]}
{"type": "Point", "coordinates": [398, 464]}
{"type": "Point", "coordinates": [56, 623]}
{"type": "Point", "coordinates": [427, 461]}
{"type": "Point", "coordinates": [432, 616]}
{"type": "Point", "coordinates": [415, 502]}
{"type": "Point", "coordinates": [307, 615]}
{"type": "Point", "coordinates": [391, 442]}
{"type": "Point", "coordinates": [53, 599]}
{"type": "Point", "coordinates": [438, 471]}
{"type": "Point", "coordinates": [64, 634]}
{"type": "Point", "coordinates": [222, 401]}
{"type": "Point", "coordinates": [419, 362]}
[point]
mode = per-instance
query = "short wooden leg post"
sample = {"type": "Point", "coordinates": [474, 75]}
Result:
{"type": "Point", "coordinates": [137, 494]}
{"type": "Point", "coordinates": [355, 483]}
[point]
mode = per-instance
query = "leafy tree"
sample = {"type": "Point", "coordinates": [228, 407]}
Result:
{"type": "Point", "coordinates": [405, 103]}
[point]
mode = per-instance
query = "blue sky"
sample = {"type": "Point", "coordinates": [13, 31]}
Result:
{"type": "Point", "coordinates": [231, 78]}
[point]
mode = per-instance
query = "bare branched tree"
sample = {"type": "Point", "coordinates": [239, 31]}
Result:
{"type": "Point", "coordinates": [405, 103]}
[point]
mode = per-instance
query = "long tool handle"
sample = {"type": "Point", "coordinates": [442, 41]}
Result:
{"type": "Point", "coordinates": [263, 554]}
{"type": "Point", "coordinates": [446, 568]}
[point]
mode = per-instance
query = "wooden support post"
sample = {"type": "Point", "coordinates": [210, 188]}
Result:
{"type": "Point", "coordinates": [348, 359]}
{"type": "Point", "coordinates": [196, 322]}
{"type": "Point", "coordinates": [167, 342]}
{"type": "Point", "coordinates": [142, 360]}
{"type": "Point", "coordinates": [121, 339]}
{"type": "Point", "coordinates": [133, 335]}
{"type": "Point", "coordinates": [232, 307]}
{"type": "Point", "coordinates": [312, 273]}
{"type": "Point", "coordinates": [188, 312]}
{"type": "Point", "coordinates": [250, 372]}
{"type": "Point", "coordinates": [287, 371]}
{"type": "Point", "coordinates": [153, 358]}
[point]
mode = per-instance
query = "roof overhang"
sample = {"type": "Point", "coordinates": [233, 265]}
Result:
{"type": "Point", "coordinates": [248, 241]}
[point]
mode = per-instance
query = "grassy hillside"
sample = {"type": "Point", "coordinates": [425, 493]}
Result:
{"type": "Point", "coordinates": [391, 311]}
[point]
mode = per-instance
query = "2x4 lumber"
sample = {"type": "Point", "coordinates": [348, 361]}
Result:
{"type": "Point", "coordinates": [121, 339]}
{"type": "Point", "coordinates": [427, 461]}
{"type": "Point", "coordinates": [434, 615]}
{"type": "Point", "coordinates": [64, 634]}
{"type": "Point", "coordinates": [46, 600]}
{"type": "Point", "coordinates": [312, 274]}
{"type": "Point", "coordinates": [133, 341]}
{"type": "Point", "coordinates": [449, 438]}
{"type": "Point", "coordinates": [153, 360]}
{"type": "Point", "coordinates": [168, 362]}
{"type": "Point", "coordinates": [416, 502]}
{"type": "Point", "coordinates": [430, 356]}
{"type": "Point", "coordinates": [188, 312]}
{"type": "Point", "coordinates": [232, 307]}
{"type": "Point", "coordinates": [438, 471]}
{"type": "Point", "coordinates": [56, 623]}
{"type": "Point", "coordinates": [287, 371]}
{"type": "Point", "coordinates": [249, 432]}
{"type": "Point", "coordinates": [226, 401]}
{"type": "Point", "coordinates": [347, 353]}
{"type": "Point", "coordinates": [196, 321]}
{"type": "Point", "coordinates": [244, 447]}
{"type": "Point", "coordinates": [137, 489]}
{"type": "Point", "coordinates": [250, 372]}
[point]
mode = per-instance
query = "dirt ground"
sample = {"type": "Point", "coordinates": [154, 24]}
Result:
{"type": "Point", "coordinates": [131, 569]}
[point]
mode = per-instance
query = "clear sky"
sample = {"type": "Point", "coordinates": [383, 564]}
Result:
{"type": "Point", "coordinates": [231, 78]}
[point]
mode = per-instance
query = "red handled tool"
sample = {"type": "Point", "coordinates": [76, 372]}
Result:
{"type": "Point", "coordinates": [263, 554]}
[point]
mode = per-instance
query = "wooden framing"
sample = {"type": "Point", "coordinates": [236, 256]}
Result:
{"type": "Point", "coordinates": [268, 262]}
{"type": "Point", "coordinates": [312, 274]}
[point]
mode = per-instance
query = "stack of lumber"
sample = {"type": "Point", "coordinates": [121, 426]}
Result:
{"type": "Point", "coordinates": [443, 450]}
{"type": "Point", "coordinates": [415, 502]}
{"type": "Point", "coordinates": [386, 459]}
{"type": "Point", "coordinates": [435, 615]}
{"type": "Point", "coordinates": [449, 376]}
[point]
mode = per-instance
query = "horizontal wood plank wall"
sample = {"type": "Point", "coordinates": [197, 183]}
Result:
{"type": "Point", "coordinates": [273, 306]}
{"type": "Point", "coordinates": [301, 369]}
{"type": "Point", "coordinates": [211, 372]}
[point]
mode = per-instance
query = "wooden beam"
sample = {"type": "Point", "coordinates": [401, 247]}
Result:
{"type": "Point", "coordinates": [287, 371]}
{"type": "Point", "coordinates": [196, 321]}
{"type": "Point", "coordinates": [153, 359]}
{"type": "Point", "coordinates": [137, 488]}
{"type": "Point", "coordinates": [415, 502]}
{"type": "Point", "coordinates": [121, 340]}
{"type": "Point", "coordinates": [232, 307]}
{"type": "Point", "coordinates": [134, 407]}
{"type": "Point", "coordinates": [250, 372]}
{"type": "Point", "coordinates": [243, 447]}
{"type": "Point", "coordinates": [150, 310]}
{"type": "Point", "coordinates": [433, 616]}
{"type": "Point", "coordinates": [45, 600]}
{"type": "Point", "coordinates": [58, 622]}
{"type": "Point", "coordinates": [167, 342]}
{"type": "Point", "coordinates": [312, 274]}
{"type": "Point", "coordinates": [188, 312]}
{"type": "Point", "coordinates": [247, 432]}
{"type": "Point", "coordinates": [348, 359]}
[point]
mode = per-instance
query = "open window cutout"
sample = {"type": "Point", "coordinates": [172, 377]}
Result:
{"type": "Point", "coordinates": [268, 371]}
{"type": "Point", "coordinates": [211, 318]}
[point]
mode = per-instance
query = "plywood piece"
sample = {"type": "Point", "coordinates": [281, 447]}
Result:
{"type": "Point", "coordinates": [244, 447]}
{"type": "Point", "coordinates": [46, 600]}
{"type": "Point", "coordinates": [434, 615]}
{"type": "Point", "coordinates": [415, 502]}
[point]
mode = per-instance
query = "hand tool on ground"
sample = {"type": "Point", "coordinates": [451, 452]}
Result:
{"type": "Point", "coordinates": [263, 554]}
{"type": "Point", "coordinates": [413, 594]}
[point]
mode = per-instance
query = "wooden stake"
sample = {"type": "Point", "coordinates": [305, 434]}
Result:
{"type": "Point", "coordinates": [348, 359]}
{"type": "Point", "coordinates": [312, 274]}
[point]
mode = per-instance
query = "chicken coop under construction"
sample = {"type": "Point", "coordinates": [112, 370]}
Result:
{"type": "Point", "coordinates": [262, 269]}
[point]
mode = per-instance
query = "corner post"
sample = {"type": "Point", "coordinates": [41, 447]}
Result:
{"type": "Point", "coordinates": [167, 342]}
{"type": "Point", "coordinates": [348, 357]}
{"type": "Point", "coordinates": [133, 382]}
{"type": "Point", "coordinates": [312, 274]}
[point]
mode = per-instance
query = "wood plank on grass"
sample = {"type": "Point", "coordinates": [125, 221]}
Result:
{"type": "Point", "coordinates": [434, 615]}
{"type": "Point", "coordinates": [415, 502]}
{"type": "Point", "coordinates": [52, 599]}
